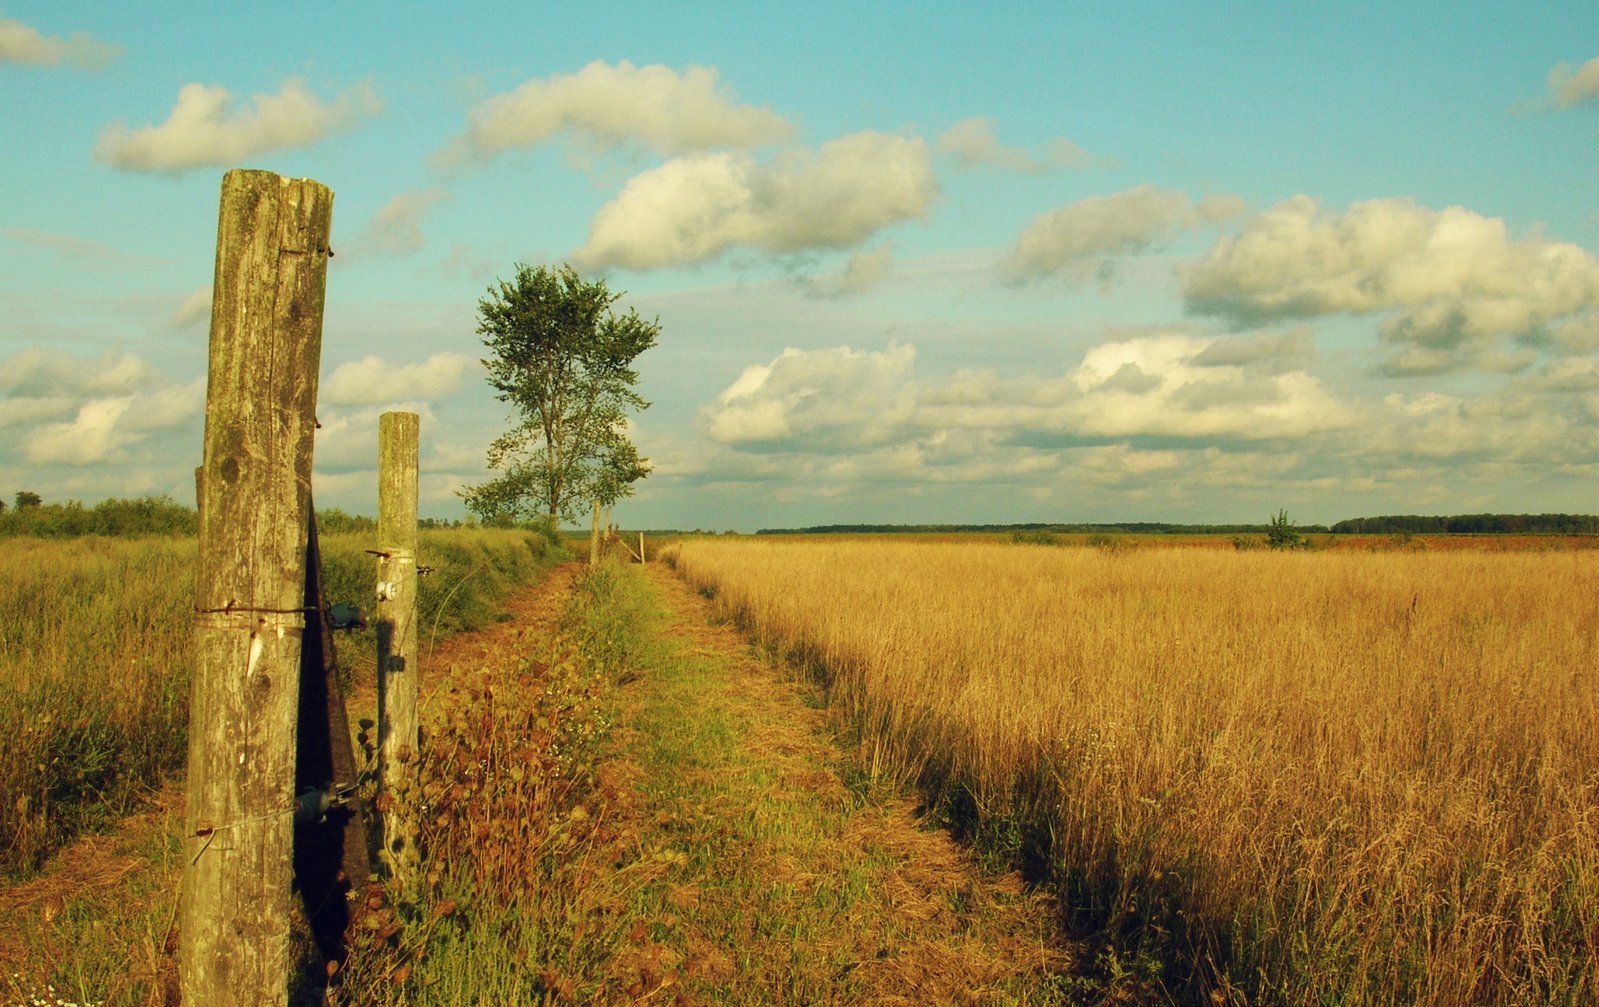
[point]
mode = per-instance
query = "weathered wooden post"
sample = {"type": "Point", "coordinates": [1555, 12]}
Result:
{"type": "Point", "coordinates": [641, 547]}
{"type": "Point", "coordinates": [255, 490]}
{"type": "Point", "coordinates": [594, 537]}
{"type": "Point", "coordinates": [396, 633]}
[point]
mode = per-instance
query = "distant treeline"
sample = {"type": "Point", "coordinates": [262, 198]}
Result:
{"type": "Point", "coordinates": [29, 515]}
{"type": "Point", "coordinates": [1404, 524]}
{"type": "Point", "coordinates": [1471, 524]}
{"type": "Point", "coordinates": [1122, 528]}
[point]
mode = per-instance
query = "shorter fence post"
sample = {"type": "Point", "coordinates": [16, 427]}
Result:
{"type": "Point", "coordinates": [396, 630]}
{"type": "Point", "coordinates": [594, 537]}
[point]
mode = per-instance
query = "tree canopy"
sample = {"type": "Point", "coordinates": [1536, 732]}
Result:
{"type": "Point", "coordinates": [564, 360]}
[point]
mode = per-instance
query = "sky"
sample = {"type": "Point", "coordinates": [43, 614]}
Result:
{"type": "Point", "coordinates": [912, 263]}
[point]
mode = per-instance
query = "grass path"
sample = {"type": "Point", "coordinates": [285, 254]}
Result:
{"type": "Point", "coordinates": [755, 875]}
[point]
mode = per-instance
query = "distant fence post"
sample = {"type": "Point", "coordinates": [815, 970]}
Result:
{"type": "Point", "coordinates": [641, 547]}
{"type": "Point", "coordinates": [594, 537]}
{"type": "Point", "coordinates": [396, 633]}
{"type": "Point", "coordinates": [255, 487]}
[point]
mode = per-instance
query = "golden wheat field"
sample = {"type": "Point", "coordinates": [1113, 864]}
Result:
{"type": "Point", "coordinates": [1309, 778]}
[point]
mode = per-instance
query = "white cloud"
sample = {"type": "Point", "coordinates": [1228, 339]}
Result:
{"type": "Point", "coordinates": [826, 398]}
{"type": "Point", "coordinates": [166, 408]}
{"type": "Point", "coordinates": [1076, 237]}
{"type": "Point", "coordinates": [1169, 386]}
{"type": "Point", "coordinates": [196, 307]}
{"type": "Point", "coordinates": [654, 106]}
{"type": "Point", "coordinates": [1570, 86]}
{"type": "Point", "coordinates": [694, 208]}
{"type": "Point", "coordinates": [1452, 283]}
{"type": "Point", "coordinates": [27, 410]}
{"type": "Point", "coordinates": [105, 426]}
{"type": "Point", "coordinates": [862, 272]}
{"type": "Point", "coordinates": [973, 143]}
{"type": "Point", "coordinates": [90, 438]}
{"type": "Point", "coordinates": [396, 227]}
{"type": "Point", "coordinates": [21, 44]}
{"type": "Point", "coordinates": [372, 380]}
{"type": "Point", "coordinates": [205, 129]}
{"type": "Point", "coordinates": [43, 371]}
{"type": "Point", "coordinates": [347, 440]}
{"type": "Point", "coordinates": [1164, 386]}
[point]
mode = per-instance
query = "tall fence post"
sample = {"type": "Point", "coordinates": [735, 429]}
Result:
{"type": "Point", "coordinates": [594, 537]}
{"type": "Point", "coordinates": [255, 487]}
{"type": "Point", "coordinates": [396, 633]}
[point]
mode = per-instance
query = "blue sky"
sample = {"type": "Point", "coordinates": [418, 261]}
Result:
{"type": "Point", "coordinates": [912, 263]}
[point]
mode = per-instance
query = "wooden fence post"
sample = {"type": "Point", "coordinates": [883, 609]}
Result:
{"type": "Point", "coordinates": [594, 537]}
{"type": "Point", "coordinates": [641, 547]}
{"type": "Point", "coordinates": [396, 632]}
{"type": "Point", "coordinates": [266, 347]}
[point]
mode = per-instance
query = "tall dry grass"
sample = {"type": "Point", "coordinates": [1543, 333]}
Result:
{"type": "Point", "coordinates": [1285, 779]}
{"type": "Point", "coordinates": [95, 657]}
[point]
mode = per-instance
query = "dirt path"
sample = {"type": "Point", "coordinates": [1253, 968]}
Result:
{"type": "Point", "coordinates": [768, 880]}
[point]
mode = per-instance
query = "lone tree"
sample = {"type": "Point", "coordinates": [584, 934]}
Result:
{"type": "Point", "coordinates": [564, 359]}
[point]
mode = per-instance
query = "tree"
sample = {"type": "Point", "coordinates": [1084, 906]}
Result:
{"type": "Point", "coordinates": [1281, 533]}
{"type": "Point", "coordinates": [564, 360]}
{"type": "Point", "coordinates": [27, 498]}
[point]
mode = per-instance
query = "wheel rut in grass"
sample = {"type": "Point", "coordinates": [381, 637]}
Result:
{"type": "Point", "coordinates": [754, 875]}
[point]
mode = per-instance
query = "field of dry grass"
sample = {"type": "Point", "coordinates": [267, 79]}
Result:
{"type": "Point", "coordinates": [1312, 778]}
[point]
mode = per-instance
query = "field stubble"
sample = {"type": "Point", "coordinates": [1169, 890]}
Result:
{"type": "Point", "coordinates": [1296, 779]}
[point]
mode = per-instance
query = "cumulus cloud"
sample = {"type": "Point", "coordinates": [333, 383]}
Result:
{"type": "Point", "coordinates": [397, 227]}
{"type": "Point", "coordinates": [195, 308]}
{"type": "Point", "coordinates": [21, 44]}
{"type": "Point", "coordinates": [44, 371]}
{"type": "Point", "coordinates": [694, 208]}
{"type": "Point", "coordinates": [346, 440]}
{"type": "Point", "coordinates": [862, 272]}
{"type": "Point", "coordinates": [91, 437]}
{"type": "Point", "coordinates": [372, 380]}
{"type": "Point", "coordinates": [1451, 283]}
{"type": "Point", "coordinates": [1168, 386]}
{"type": "Point", "coordinates": [1570, 85]}
{"type": "Point", "coordinates": [828, 398]}
{"type": "Point", "coordinates": [1182, 418]}
{"type": "Point", "coordinates": [973, 144]}
{"type": "Point", "coordinates": [607, 106]}
{"type": "Point", "coordinates": [1078, 237]}
{"type": "Point", "coordinates": [115, 400]}
{"type": "Point", "coordinates": [207, 129]}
